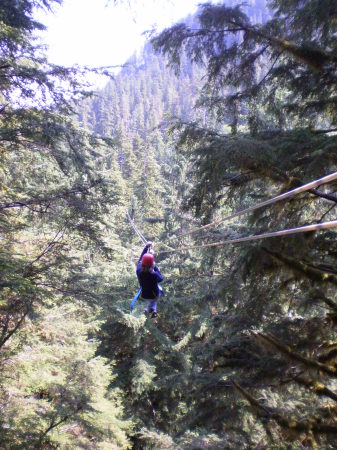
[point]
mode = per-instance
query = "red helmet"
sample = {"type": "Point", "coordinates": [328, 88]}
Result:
{"type": "Point", "coordinates": [147, 260]}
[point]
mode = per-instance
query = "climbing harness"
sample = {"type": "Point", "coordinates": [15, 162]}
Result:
{"type": "Point", "coordinates": [135, 298]}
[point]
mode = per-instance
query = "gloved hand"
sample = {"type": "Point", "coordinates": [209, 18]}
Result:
{"type": "Point", "coordinates": [149, 244]}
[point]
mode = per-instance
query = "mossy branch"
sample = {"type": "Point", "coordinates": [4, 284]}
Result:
{"type": "Point", "coordinates": [286, 350]}
{"type": "Point", "coordinates": [313, 273]}
{"type": "Point", "coordinates": [292, 423]}
{"type": "Point", "coordinates": [316, 387]}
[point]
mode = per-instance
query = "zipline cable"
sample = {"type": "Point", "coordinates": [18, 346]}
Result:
{"type": "Point", "coordinates": [304, 229]}
{"type": "Point", "coordinates": [293, 192]}
{"type": "Point", "coordinates": [139, 234]}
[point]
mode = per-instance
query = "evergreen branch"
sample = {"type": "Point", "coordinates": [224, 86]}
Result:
{"type": "Point", "coordinates": [311, 272]}
{"type": "Point", "coordinates": [285, 350]}
{"type": "Point", "coordinates": [191, 126]}
{"type": "Point", "coordinates": [267, 412]}
{"type": "Point", "coordinates": [55, 424]}
{"type": "Point", "coordinates": [260, 83]}
{"type": "Point", "coordinates": [309, 426]}
{"type": "Point", "coordinates": [331, 130]}
{"type": "Point", "coordinates": [54, 242]}
{"type": "Point", "coordinates": [5, 338]}
{"type": "Point", "coordinates": [22, 205]}
{"type": "Point", "coordinates": [326, 213]}
{"type": "Point", "coordinates": [201, 31]}
{"type": "Point", "coordinates": [333, 198]}
{"type": "Point", "coordinates": [5, 327]}
{"type": "Point", "coordinates": [316, 387]}
{"type": "Point", "coordinates": [327, 301]}
{"type": "Point", "coordinates": [313, 57]}
{"type": "Point", "coordinates": [71, 292]}
{"type": "Point", "coordinates": [327, 356]}
{"type": "Point", "coordinates": [323, 267]}
{"type": "Point", "coordinates": [65, 194]}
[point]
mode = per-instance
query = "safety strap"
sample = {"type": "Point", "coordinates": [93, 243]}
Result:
{"type": "Point", "coordinates": [135, 298]}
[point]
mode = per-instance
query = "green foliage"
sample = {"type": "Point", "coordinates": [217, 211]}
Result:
{"type": "Point", "coordinates": [143, 374]}
{"type": "Point", "coordinates": [272, 85]}
{"type": "Point", "coordinates": [286, 61]}
{"type": "Point", "coordinates": [133, 109]}
{"type": "Point", "coordinates": [243, 351]}
{"type": "Point", "coordinates": [56, 391]}
{"type": "Point", "coordinates": [53, 219]}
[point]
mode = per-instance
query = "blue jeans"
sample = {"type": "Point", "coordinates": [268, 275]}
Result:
{"type": "Point", "coordinates": [152, 305]}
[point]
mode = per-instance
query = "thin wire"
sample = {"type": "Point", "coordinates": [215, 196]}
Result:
{"type": "Point", "coordinates": [142, 237]}
{"type": "Point", "coordinates": [139, 234]}
{"type": "Point", "coordinates": [293, 192]}
{"type": "Point", "coordinates": [304, 229]}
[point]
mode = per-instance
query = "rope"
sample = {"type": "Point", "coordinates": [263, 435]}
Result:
{"type": "Point", "coordinates": [304, 229]}
{"type": "Point", "coordinates": [293, 192]}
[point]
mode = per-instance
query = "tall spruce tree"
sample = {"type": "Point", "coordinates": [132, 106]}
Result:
{"type": "Point", "coordinates": [274, 83]}
{"type": "Point", "coordinates": [242, 354]}
{"type": "Point", "coordinates": [54, 390]}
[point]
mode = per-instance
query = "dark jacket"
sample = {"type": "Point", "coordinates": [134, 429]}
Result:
{"type": "Point", "coordinates": [148, 280]}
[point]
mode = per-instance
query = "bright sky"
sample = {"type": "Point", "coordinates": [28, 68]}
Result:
{"type": "Point", "coordinates": [98, 33]}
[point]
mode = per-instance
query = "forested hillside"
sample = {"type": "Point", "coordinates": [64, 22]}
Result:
{"type": "Point", "coordinates": [216, 115]}
{"type": "Point", "coordinates": [134, 110]}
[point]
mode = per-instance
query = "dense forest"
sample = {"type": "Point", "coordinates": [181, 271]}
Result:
{"type": "Point", "coordinates": [218, 113]}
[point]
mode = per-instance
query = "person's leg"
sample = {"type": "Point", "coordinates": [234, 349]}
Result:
{"type": "Point", "coordinates": [152, 305]}
{"type": "Point", "coordinates": [148, 309]}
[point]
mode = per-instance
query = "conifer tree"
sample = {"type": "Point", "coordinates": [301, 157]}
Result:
{"type": "Point", "coordinates": [278, 78]}
{"type": "Point", "coordinates": [53, 208]}
{"type": "Point", "coordinates": [242, 353]}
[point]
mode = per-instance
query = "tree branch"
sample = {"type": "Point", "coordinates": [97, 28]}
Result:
{"type": "Point", "coordinates": [333, 198]}
{"type": "Point", "coordinates": [311, 425]}
{"type": "Point", "coordinates": [316, 387]}
{"type": "Point", "coordinates": [285, 350]}
{"type": "Point", "coordinates": [315, 273]}
{"type": "Point", "coordinates": [10, 334]}
{"type": "Point", "coordinates": [48, 248]}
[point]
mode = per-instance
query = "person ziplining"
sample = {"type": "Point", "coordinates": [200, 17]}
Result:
{"type": "Point", "coordinates": [149, 276]}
